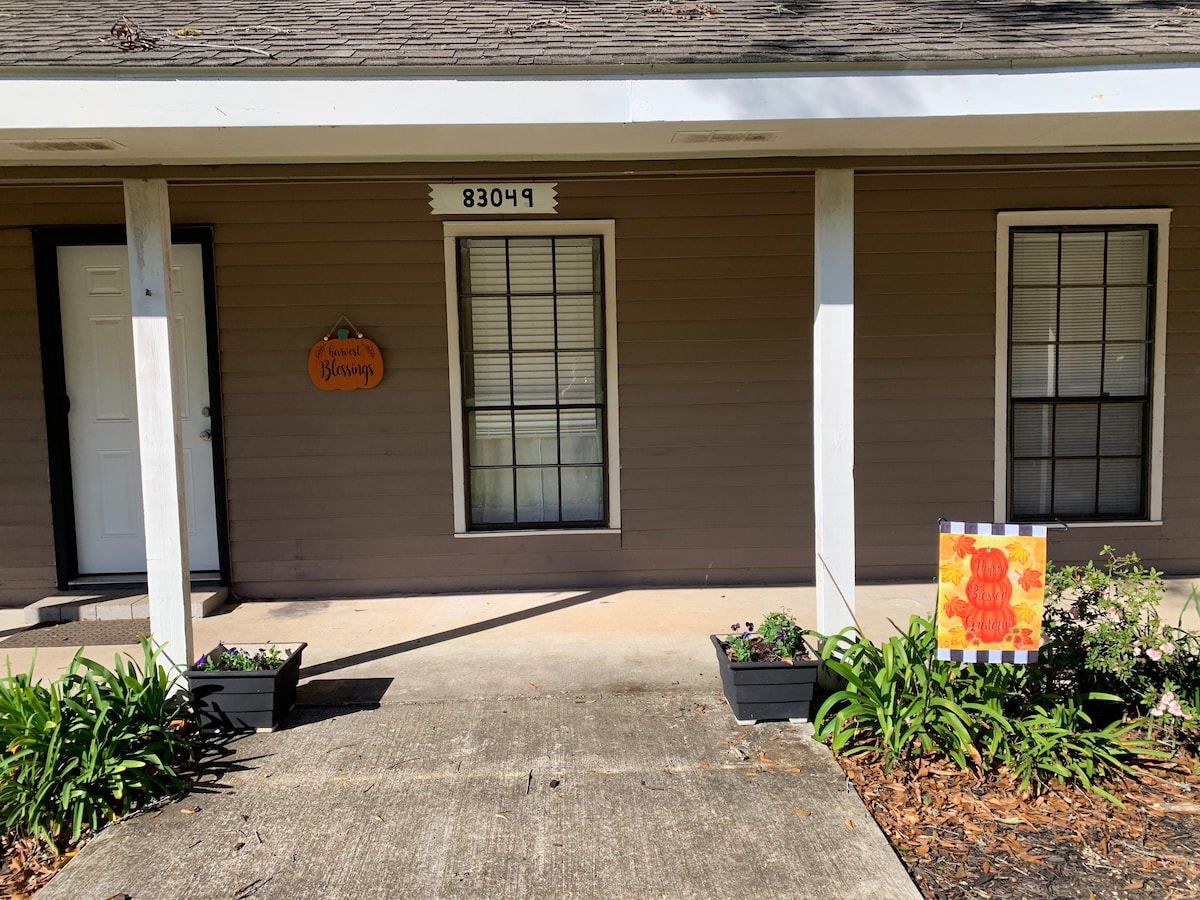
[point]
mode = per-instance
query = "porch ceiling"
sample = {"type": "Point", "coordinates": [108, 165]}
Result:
{"type": "Point", "coordinates": [106, 118]}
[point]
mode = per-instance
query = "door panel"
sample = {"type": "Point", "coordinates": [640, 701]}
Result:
{"type": "Point", "coordinates": [102, 421]}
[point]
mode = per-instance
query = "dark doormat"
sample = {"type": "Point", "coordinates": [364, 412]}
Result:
{"type": "Point", "coordinates": [79, 634]}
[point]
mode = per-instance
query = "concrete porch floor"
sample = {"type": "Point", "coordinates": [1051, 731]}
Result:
{"type": "Point", "coordinates": [574, 640]}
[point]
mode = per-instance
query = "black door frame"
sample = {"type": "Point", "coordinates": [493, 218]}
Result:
{"type": "Point", "coordinates": [46, 241]}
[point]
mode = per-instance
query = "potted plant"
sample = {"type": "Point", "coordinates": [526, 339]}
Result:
{"type": "Point", "coordinates": [768, 674]}
{"type": "Point", "coordinates": [245, 688]}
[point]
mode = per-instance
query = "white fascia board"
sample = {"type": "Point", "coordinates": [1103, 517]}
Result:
{"type": "Point", "coordinates": [345, 116]}
{"type": "Point", "coordinates": [243, 101]}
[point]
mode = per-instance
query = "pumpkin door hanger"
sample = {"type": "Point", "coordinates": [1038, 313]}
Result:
{"type": "Point", "coordinates": [345, 363]}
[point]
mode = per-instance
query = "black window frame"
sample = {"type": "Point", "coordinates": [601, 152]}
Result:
{"type": "Point", "coordinates": [1100, 400]}
{"type": "Point", "coordinates": [600, 405]}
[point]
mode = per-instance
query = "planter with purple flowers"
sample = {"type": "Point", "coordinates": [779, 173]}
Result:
{"type": "Point", "coordinates": [769, 674]}
{"type": "Point", "coordinates": [250, 688]}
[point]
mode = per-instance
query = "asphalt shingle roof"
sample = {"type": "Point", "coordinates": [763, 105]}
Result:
{"type": "Point", "coordinates": [514, 33]}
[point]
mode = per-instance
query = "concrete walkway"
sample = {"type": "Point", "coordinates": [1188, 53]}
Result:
{"type": "Point", "coordinates": [536, 798]}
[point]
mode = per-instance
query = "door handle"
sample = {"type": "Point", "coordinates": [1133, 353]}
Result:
{"type": "Point", "coordinates": [206, 435]}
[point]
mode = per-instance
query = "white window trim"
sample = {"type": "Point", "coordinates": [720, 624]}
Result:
{"type": "Point", "coordinates": [1005, 222]}
{"type": "Point", "coordinates": [606, 230]}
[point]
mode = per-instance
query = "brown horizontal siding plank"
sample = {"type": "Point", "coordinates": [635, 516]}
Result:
{"type": "Point", "coordinates": [239, 313]}
{"type": "Point", "coordinates": [769, 327]}
{"type": "Point", "coordinates": [391, 485]}
{"type": "Point", "coordinates": [760, 494]}
{"type": "Point", "coordinates": [733, 519]}
{"type": "Point", "coordinates": [291, 338]}
{"type": "Point", "coordinates": [711, 415]}
{"type": "Point", "coordinates": [703, 484]}
{"type": "Point", "coordinates": [647, 373]}
{"type": "Point", "coordinates": [714, 436]}
{"type": "Point", "coordinates": [310, 402]}
{"type": "Point", "coordinates": [634, 309]}
{"type": "Point", "coordinates": [417, 447]}
{"type": "Point", "coordinates": [428, 273]}
{"type": "Point", "coordinates": [772, 394]}
{"type": "Point", "coordinates": [702, 225]}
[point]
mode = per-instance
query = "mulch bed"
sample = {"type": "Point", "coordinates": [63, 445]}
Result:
{"type": "Point", "coordinates": [960, 836]}
{"type": "Point", "coordinates": [27, 866]}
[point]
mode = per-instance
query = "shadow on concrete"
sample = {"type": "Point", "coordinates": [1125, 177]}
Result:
{"type": "Point", "coordinates": [310, 710]}
{"type": "Point", "coordinates": [328, 698]}
{"type": "Point", "coordinates": [217, 759]}
{"type": "Point", "coordinates": [356, 659]}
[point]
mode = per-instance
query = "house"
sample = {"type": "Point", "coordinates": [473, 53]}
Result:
{"type": "Point", "coordinates": [663, 292]}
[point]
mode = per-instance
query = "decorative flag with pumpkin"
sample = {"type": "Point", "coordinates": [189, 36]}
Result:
{"type": "Point", "coordinates": [991, 590]}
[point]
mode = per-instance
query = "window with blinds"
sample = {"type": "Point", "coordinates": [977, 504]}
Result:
{"type": "Point", "coordinates": [532, 345]}
{"type": "Point", "coordinates": [1081, 319]}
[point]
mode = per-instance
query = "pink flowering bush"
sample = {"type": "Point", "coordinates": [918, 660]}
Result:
{"type": "Point", "coordinates": [1102, 632]}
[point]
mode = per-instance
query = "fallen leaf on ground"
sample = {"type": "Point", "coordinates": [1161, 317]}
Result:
{"type": "Point", "coordinates": [802, 812]}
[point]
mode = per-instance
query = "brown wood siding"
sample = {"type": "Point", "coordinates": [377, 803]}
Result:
{"type": "Point", "coordinates": [343, 494]}
{"type": "Point", "coordinates": [925, 332]}
{"type": "Point", "coordinates": [351, 493]}
{"type": "Point", "coordinates": [26, 526]}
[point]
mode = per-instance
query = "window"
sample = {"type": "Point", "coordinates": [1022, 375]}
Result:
{"type": "Point", "coordinates": [1080, 303]}
{"type": "Point", "coordinates": [534, 378]}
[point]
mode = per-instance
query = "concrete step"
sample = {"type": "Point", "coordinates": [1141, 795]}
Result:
{"type": "Point", "coordinates": [74, 606]}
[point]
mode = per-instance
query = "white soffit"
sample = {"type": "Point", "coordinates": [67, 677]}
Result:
{"type": "Point", "coordinates": [346, 117]}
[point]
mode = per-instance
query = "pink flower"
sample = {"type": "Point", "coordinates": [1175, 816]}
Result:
{"type": "Point", "coordinates": [1155, 655]}
{"type": "Point", "coordinates": [1167, 648]}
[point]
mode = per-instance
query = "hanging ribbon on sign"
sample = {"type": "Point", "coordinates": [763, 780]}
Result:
{"type": "Point", "coordinates": [340, 362]}
{"type": "Point", "coordinates": [991, 591]}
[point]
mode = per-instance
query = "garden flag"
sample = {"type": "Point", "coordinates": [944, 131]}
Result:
{"type": "Point", "coordinates": [991, 589]}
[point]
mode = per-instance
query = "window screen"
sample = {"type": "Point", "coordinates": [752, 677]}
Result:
{"type": "Point", "coordinates": [1080, 362]}
{"type": "Point", "coordinates": [532, 341]}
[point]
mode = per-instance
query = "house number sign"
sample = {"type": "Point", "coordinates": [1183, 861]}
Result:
{"type": "Point", "coordinates": [490, 199]}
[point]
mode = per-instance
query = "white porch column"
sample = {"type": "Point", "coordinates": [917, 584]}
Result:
{"type": "Point", "coordinates": [833, 398]}
{"type": "Point", "coordinates": [160, 437]}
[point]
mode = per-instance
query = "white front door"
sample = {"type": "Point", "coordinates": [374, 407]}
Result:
{"type": "Point", "coordinates": [102, 421]}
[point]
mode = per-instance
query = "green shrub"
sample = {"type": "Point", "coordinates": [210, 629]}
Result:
{"type": "Point", "coordinates": [89, 747]}
{"type": "Point", "coordinates": [903, 703]}
{"type": "Point", "coordinates": [1056, 739]}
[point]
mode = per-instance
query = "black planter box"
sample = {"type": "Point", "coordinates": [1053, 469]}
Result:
{"type": "Point", "coordinates": [246, 701]}
{"type": "Point", "coordinates": [758, 691]}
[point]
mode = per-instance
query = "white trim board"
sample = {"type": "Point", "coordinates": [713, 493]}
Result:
{"type": "Point", "coordinates": [344, 116]}
{"type": "Point", "coordinates": [1005, 221]}
{"type": "Point", "coordinates": [606, 230]}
